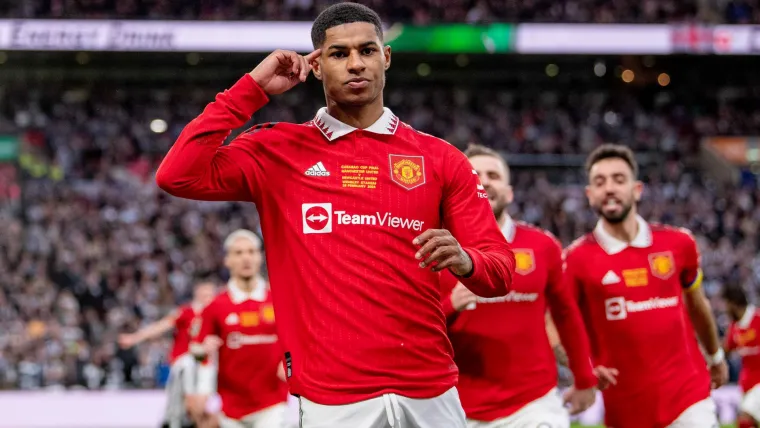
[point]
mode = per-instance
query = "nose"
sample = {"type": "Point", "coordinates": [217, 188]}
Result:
{"type": "Point", "coordinates": [484, 181]}
{"type": "Point", "coordinates": [355, 62]}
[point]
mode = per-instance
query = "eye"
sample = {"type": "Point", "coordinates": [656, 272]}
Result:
{"type": "Point", "coordinates": [337, 54]}
{"type": "Point", "coordinates": [368, 51]}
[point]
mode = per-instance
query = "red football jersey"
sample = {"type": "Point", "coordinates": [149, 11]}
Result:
{"type": "Point", "coordinates": [631, 296]}
{"type": "Point", "coordinates": [743, 337]}
{"type": "Point", "coordinates": [250, 356]}
{"type": "Point", "coordinates": [182, 326]}
{"type": "Point", "coordinates": [501, 348]}
{"type": "Point", "coordinates": [340, 208]}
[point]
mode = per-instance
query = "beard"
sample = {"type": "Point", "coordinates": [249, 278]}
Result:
{"type": "Point", "coordinates": [498, 205]}
{"type": "Point", "coordinates": [615, 218]}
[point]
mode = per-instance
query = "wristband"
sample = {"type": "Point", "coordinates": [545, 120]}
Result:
{"type": "Point", "coordinates": [716, 358]}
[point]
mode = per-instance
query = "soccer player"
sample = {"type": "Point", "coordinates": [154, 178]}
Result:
{"type": "Point", "coordinates": [638, 286]}
{"type": "Point", "coordinates": [508, 372]}
{"type": "Point", "coordinates": [742, 337]}
{"type": "Point", "coordinates": [353, 205]}
{"type": "Point", "coordinates": [180, 388]}
{"type": "Point", "coordinates": [239, 326]}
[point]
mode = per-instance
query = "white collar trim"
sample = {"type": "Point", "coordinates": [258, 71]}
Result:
{"type": "Point", "coordinates": [509, 229]}
{"type": "Point", "coordinates": [612, 245]}
{"type": "Point", "coordinates": [332, 128]}
{"type": "Point", "coordinates": [258, 294]}
{"type": "Point", "coordinates": [746, 320]}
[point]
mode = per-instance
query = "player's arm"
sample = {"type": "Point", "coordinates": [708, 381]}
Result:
{"type": "Point", "coordinates": [149, 332]}
{"type": "Point", "coordinates": [454, 296]}
{"type": "Point", "coordinates": [472, 248]}
{"type": "Point", "coordinates": [700, 313]}
{"type": "Point", "coordinates": [551, 332]}
{"type": "Point", "coordinates": [568, 320]}
{"type": "Point", "coordinates": [198, 166]}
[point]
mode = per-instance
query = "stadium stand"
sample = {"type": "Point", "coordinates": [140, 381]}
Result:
{"type": "Point", "coordinates": [418, 12]}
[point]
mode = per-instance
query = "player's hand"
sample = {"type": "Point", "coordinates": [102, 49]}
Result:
{"type": "Point", "coordinates": [127, 341]}
{"type": "Point", "coordinates": [461, 297]}
{"type": "Point", "coordinates": [606, 376]}
{"type": "Point", "coordinates": [718, 375]}
{"type": "Point", "coordinates": [282, 70]}
{"type": "Point", "coordinates": [211, 344]}
{"type": "Point", "coordinates": [441, 249]}
{"type": "Point", "coordinates": [578, 400]}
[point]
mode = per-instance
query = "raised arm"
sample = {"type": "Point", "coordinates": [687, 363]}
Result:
{"type": "Point", "coordinates": [151, 331]}
{"type": "Point", "coordinates": [198, 166]}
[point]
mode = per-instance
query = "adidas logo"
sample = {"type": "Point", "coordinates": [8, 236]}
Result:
{"type": "Point", "coordinates": [317, 170]}
{"type": "Point", "coordinates": [610, 278]}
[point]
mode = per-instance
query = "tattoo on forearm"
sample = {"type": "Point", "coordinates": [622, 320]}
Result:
{"type": "Point", "coordinates": [560, 355]}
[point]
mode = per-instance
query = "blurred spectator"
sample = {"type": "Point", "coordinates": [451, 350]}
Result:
{"type": "Point", "coordinates": [392, 11]}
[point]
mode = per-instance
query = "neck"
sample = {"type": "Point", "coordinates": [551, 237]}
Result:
{"type": "Point", "coordinates": [740, 313]}
{"type": "Point", "coordinates": [502, 218]}
{"type": "Point", "coordinates": [246, 284]}
{"type": "Point", "coordinates": [626, 230]}
{"type": "Point", "coordinates": [359, 117]}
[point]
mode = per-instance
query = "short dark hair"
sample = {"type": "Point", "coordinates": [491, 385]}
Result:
{"type": "Point", "coordinates": [613, 151]}
{"type": "Point", "coordinates": [473, 150]}
{"type": "Point", "coordinates": [734, 293]}
{"type": "Point", "coordinates": [343, 13]}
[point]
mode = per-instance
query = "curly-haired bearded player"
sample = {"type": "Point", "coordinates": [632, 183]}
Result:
{"type": "Point", "coordinates": [359, 212]}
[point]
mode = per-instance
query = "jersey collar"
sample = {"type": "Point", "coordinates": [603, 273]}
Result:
{"type": "Point", "coordinates": [749, 314]}
{"type": "Point", "coordinates": [509, 229]}
{"type": "Point", "coordinates": [258, 294]}
{"type": "Point", "coordinates": [612, 245]}
{"type": "Point", "coordinates": [332, 128]}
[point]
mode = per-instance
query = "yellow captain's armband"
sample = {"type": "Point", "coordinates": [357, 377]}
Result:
{"type": "Point", "coordinates": [696, 283]}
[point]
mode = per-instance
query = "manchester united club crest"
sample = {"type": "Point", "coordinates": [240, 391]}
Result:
{"type": "Point", "coordinates": [407, 171]}
{"type": "Point", "coordinates": [525, 262]}
{"type": "Point", "coordinates": [662, 265]}
{"type": "Point", "coordinates": [267, 314]}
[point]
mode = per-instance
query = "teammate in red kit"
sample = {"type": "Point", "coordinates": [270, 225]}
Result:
{"type": "Point", "coordinates": [743, 337]}
{"type": "Point", "coordinates": [635, 283]}
{"type": "Point", "coordinates": [353, 205]}
{"type": "Point", "coordinates": [508, 372]}
{"type": "Point", "coordinates": [180, 388]}
{"type": "Point", "coordinates": [240, 326]}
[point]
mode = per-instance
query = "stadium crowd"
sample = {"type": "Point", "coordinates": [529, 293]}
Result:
{"type": "Point", "coordinates": [418, 12]}
{"type": "Point", "coordinates": [94, 248]}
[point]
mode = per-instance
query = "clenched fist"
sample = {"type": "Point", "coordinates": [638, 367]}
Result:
{"type": "Point", "coordinates": [282, 70]}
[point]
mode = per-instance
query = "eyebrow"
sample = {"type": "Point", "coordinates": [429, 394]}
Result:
{"type": "Point", "coordinates": [363, 45]}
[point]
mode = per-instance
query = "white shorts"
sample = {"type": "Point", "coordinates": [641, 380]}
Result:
{"type": "Point", "coordinates": [182, 381]}
{"type": "Point", "coordinates": [751, 402]}
{"type": "Point", "coordinates": [545, 412]}
{"type": "Point", "coordinates": [702, 414]}
{"type": "Point", "coordinates": [387, 411]}
{"type": "Point", "coordinates": [271, 417]}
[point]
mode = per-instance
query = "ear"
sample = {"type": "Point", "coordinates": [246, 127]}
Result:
{"type": "Point", "coordinates": [316, 67]}
{"type": "Point", "coordinates": [387, 54]}
{"type": "Point", "coordinates": [588, 192]}
{"type": "Point", "coordinates": [510, 194]}
{"type": "Point", "coordinates": [226, 262]}
{"type": "Point", "coordinates": [638, 190]}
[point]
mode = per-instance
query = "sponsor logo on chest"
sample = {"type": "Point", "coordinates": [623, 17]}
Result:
{"type": "Point", "coordinates": [618, 308]}
{"type": "Point", "coordinates": [322, 218]}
